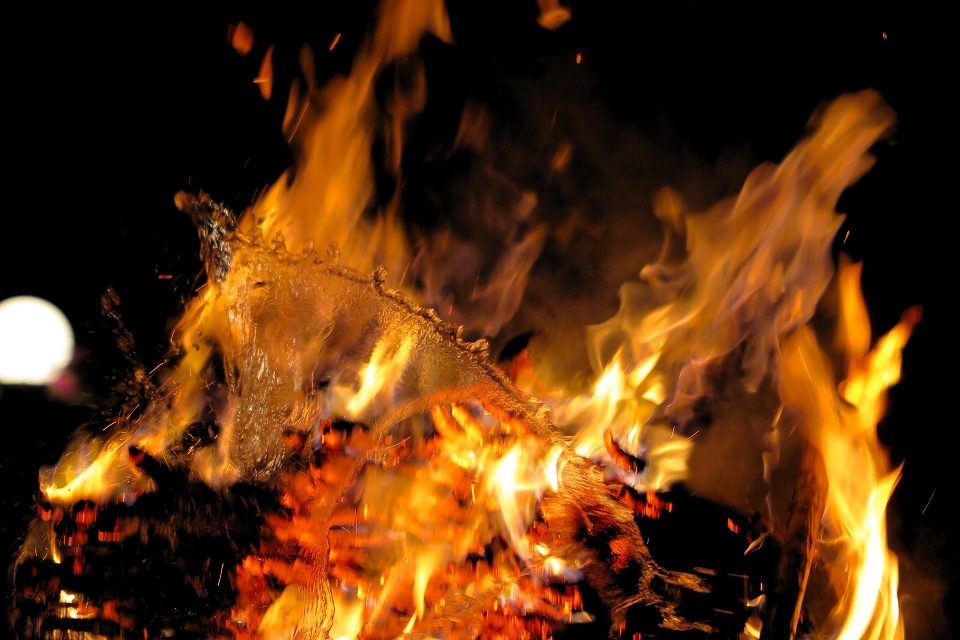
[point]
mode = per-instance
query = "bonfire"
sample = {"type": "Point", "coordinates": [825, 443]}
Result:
{"type": "Point", "coordinates": [333, 448]}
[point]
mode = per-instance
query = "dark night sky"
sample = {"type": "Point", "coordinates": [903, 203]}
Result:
{"type": "Point", "coordinates": [108, 115]}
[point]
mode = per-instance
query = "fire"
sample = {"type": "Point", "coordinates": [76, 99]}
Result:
{"type": "Point", "coordinates": [421, 491]}
{"type": "Point", "coordinates": [93, 472]}
{"type": "Point", "coordinates": [383, 369]}
{"type": "Point", "coordinates": [841, 422]}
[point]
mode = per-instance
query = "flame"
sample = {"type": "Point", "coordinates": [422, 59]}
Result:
{"type": "Point", "coordinates": [553, 15]}
{"type": "Point", "coordinates": [265, 79]}
{"type": "Point", "coordinates": [240, 37]}
{"type": "Point", "coordinates": [385, 367]}
{"type": "Point", "coordinates": [514, 481]}
{"type": "Point", "coordinates": [109, 472]}
{"type": "Point", "coordinates": [348, 621]}
{"type": "Point", "coordinates": [334, 178]}
{"type": "Point", "coordinates": [840, 420]}
{"type": "Point", "coordinates": [323, 199]}
{"type": "Point", "coordinates": [755, 267]}
{"type": "Point", "coordinates": [284, 618]}
{"type": "Point", "coordinates": [623, 404]}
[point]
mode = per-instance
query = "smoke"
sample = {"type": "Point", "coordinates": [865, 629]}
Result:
{"type": "Point", "coordinates": [546, 162]}
{"type": "Point", "coordinates": [925, 566]}
{"type": "Point", "coordinates": [538, 156]}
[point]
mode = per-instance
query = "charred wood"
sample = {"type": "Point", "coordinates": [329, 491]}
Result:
{"type": "Point", "coordinates": [162, 563]}
{"type": "Point", "coordinates": [799, 549]}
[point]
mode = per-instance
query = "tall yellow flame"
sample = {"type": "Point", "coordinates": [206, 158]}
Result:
{"type": "Point", "coordinates": [333, 184]}
{"type": "Point", "coordinates": [840, 421]}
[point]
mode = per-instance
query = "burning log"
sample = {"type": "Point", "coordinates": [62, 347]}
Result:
{"type": "Point", "coordinates": [799, 549]}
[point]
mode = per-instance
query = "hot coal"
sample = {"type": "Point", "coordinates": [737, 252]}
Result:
{"type": "Point", "coordinates": [165, 565]}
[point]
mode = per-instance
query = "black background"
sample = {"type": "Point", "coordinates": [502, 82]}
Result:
{"type": "Point", "coordinates": [109, 114]}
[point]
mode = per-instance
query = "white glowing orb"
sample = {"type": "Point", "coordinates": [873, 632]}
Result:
{"type": "Point", "coordinates": [36, 341]}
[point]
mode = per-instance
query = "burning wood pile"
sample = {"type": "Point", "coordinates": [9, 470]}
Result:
{"type": "Point", "coordinates": [325, 457]}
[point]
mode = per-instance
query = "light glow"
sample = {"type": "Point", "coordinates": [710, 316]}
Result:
{"type": "Point", "coordinates": [36, 341]}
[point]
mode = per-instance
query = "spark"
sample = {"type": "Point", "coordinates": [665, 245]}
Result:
{"type": "Point", "coordinates": [221, 574]}
{"type": "Point", "coordinates": [336, 39]}
{"type": "Point", "coordinates": [404, 276]}
{"type": "Point", "coordinates": [303, 112]}
{"type": "Point", "coordinates": [929, 501]}
{"type": "Point", "coordinates": [579, 58]}
{"type": "Point", "coordinates": [846, 235]}
{"type": "Point", "coordinates": [473, 296]}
